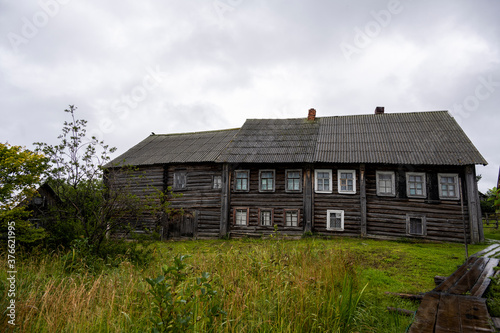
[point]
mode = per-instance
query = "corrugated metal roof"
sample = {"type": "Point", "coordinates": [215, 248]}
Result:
{"type": "Point", "coordinates": [395, 138]}
{"type": "Point", "coordinates": [177, 148]}
{"type": "Point", "coordinates": [273, 141]}
{"type": "Point", "coordinates": [391, 138]}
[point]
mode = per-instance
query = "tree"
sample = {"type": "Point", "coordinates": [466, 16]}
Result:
{"type": "Point", "coordinates": [20, 174]}
{"type": "Point", "coordinates": [90, 207]}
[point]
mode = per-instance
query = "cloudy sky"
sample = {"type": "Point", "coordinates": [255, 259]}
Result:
{"type": "Point", "coordinates": [136, 67]}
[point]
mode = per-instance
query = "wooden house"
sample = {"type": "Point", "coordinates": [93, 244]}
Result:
{"type": "Point", "coordinates": [385, 175]}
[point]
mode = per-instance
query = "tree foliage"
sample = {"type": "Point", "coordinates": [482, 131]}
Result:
{"type": "Point", "coordinates": [20, 174]}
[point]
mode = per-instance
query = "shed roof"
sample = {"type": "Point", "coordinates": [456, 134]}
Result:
{"type": "Point", "coordinates": [433, 138]}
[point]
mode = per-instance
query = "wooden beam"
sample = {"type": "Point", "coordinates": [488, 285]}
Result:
{"type": "Point", "coordinates": [308, 199]}
{"type": "Point", "coordinates": [226, 183]}
{"type": "Point", "coordinates": [473, 205]}
{"type": "Point", "coordinates": [362, 195]}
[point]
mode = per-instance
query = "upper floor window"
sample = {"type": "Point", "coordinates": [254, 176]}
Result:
{"type": "Point", "coordinates": [217, 182]}
{"type": "Point", "coordinates": [448, 186]}
{"type": "Point", "coordinates": [386, 183]}
{"type": "Point", "coordinates": [179, 180]}
{"type": "Point", "coordinates": [347, 181]}
{"type": "Point", "coordinates": [415, 185]}
{"type": "Point", "coordinates": [266, 180]}
{"type": "Point", "coordinates": [293, 180]}
{"type": "Point", "coordinates": [323, 181]}
{"type": "Point", "coordinates": [241, 180]}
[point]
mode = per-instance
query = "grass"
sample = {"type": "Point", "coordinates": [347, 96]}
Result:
{"type": "Point", "coordinates": [312, 285]}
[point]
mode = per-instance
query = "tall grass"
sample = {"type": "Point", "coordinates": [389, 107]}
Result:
{"type": "Point", "coordinates": [264, 286]}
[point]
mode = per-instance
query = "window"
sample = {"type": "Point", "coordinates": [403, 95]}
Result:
{"type": "Point", "coordinates": [415, 225]}
{"type": "Point", "coordinates": [347, 181]}
{"type": "Point", "coordinates": [179, 180]}
{"type": "Point", "coordinates": [266, 180]}
{"type": "Point", "coordinates": [415, 185]}
{"type": "Point", "coordinates": [335, 220]}
{"type": "Point", "coordinates": [291, 218]}
{"type": "Point", "coordinates": [293, 180]}
{"type": "Point", "coordinates": [241, 180]}
{"type": "Point", "coordinates": [448, 186]}
{"type": "Point", "coordinates": [266, 217]}
{"type": "Point", "coordinates": [241, 216]}
{"type": "Point", "coordinates": [217, 182]}
{"type": "Point", "coordinates": [386, 183]}
{"type": "Point", "coordinates": [323, 182]}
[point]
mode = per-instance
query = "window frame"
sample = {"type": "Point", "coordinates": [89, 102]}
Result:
{"type": "Point", "coordinates": [424, 185]}
{"type": "Point", "coordinates": [273, 180]}
{"type": "Point", "coordinates": [300, 181]}
{"type": "Point", "coordinates": [285, 211]}
{"type": "Point", "coordinates": [270, 210]}
{"type": "Point", "coordinates": [457, 188]}
{"type": "Point", "coordinates": [235, 214]}
{"type": "Point", "coordinates": [423, 221]}
{"type": "Point", "coordinates": [330, 188]}
{"type": "Point", "coordinates": [328, 225]}
{"type": "Point", "coordinates": [351, 171]}
{"type": "Point", "coordinates": [178, 173]}
{"type": "Point", "coordinates": [214, 177]}
{"type": "Point", "coordinates": [393, 183]}
{"type": "Point", "coordinates": [236, 180]}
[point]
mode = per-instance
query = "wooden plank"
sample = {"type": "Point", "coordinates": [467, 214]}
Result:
{"type": "Point", "coordinates": [486, 250]}
{"type": "Point", "coordinates": [362, 196]}
{"type": "Point", "coordinates": [426, 314]}
{"type": "Point", "coordinates": [484, 280]}
{"type": "Point", "coordinates": [446, 318]}
{"type": "Point", "coordinates": [453, 278]}
{"type": "Point", "coordinates": [469, 278]}
{"type": "Point", "coordinates": [493, 252]}
{"type": "Point", "coordinates": [474, 315]}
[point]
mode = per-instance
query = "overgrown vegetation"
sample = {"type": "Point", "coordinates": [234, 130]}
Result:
{"type": "Point", "coordinates": [311, 285]}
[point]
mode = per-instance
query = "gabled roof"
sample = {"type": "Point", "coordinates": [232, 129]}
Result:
{"type": "Point", "coordinates": [273, 141]}
{"type": "Point", "coordinates": [432, 138]}
{"type": "Point", "coordinates": [176, 148]}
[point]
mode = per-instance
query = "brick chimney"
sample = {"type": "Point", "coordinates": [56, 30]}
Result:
{"type": "Point", "coordinates": [312, 115]}
{"type": "Point", "coordinates": [379, 110]}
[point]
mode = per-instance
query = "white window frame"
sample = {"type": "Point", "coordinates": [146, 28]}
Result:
{"type": "Point", "coordinates": [236, 181]}
{"type": "Point", "coordinates": [393, 183]}
{"type": "Point", "coordinates": [330, 187]}
{"type": "Point", "coordinates": [448, 175]}
{"type": "Point", "coordinates": [240, 210]}
{"type": "Point", "coordinates": [328, 222]}
{"type": "Point", "coordinates": [217, 182]}
{"type": "Point", "coordinates": [424, 185]}
{"type": "Point", "coordinates": [291, 211]}
{"type": "Point", "coordinates": [353, 172]}
{"type": "Point", "coordinates": [273, 180]}
{"type": "Point", "coordinates": [300, 180]}
{"type": "Point", "coordinates": [408, 224]}
{"type": "Point", "coordinates": [271, 211]}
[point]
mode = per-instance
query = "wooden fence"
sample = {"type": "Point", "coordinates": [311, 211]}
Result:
{"type": "Point", "coordinates": [491, 221]}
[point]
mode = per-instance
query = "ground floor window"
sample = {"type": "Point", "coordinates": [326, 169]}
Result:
{"type": "Point", "coordinates": [415, 225]}
{"type": "Point", "coordinates": [291, 218]}
{"type": "Point", "coordinates": [266, 217]}
{"type": "Point", "coordinates": [335, 220]}
{"type": "Point", "coordinates": [241, 216]}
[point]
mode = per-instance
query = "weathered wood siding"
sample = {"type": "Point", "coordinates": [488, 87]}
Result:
{"type": "Point", "coordinates": [199, 198]}
{"type": "Point", "coordinates": [349, 203]}
{"type": "Point", "coordinates": [279, 201]}
{"type": "Point", "coordinates": [386, 216]}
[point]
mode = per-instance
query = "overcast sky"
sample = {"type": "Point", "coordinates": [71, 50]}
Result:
{"type": "Point", "coordinates": [136, 67]}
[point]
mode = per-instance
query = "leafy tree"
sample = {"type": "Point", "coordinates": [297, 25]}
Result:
{"type": "Point", "coordinates": [20, 174]}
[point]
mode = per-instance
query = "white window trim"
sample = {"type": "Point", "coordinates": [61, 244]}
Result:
{"type": "Point", "coordinates": [416, 216]}
{"type": "Point", "coordinates": [298, 218]}
{"type": "Point", "coordinates": [213, 182]}
{"type": "Point", "coordinates": [353, 172]}
{"type": "Point", "coordinates": [300, 180]}
{"type": "Point", "coordinates": [248, 180]}
{"type": "Point", "coordinates": [260, 216]}
{"type": "Point", "coordinates": [260, 180]}
{"type": "Point", "coordinates": [329, 171]}
{"type": "Point", "coordinates": [424, 185]}
{"type": "Point", "coordinates": [393, 181]}
{"type": "Point", "coordinates": [236, 212]}
{"type": "Point", "coordinates": [454, 175]}
{"type": "Point", "coordinates": [330, 211]}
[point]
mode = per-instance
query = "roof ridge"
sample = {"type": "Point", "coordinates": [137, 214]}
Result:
{"type": "Point", "coordinates": [198, 132]}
